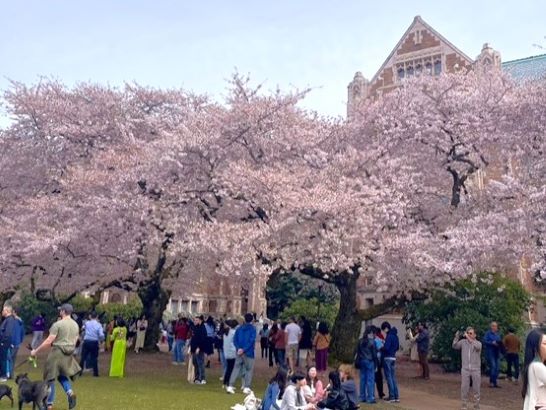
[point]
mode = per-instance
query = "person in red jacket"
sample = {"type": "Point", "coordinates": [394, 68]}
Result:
{"type": "Point", "coordinates": [181, 331]}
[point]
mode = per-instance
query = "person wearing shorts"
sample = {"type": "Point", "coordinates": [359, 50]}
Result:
{"type": "Point", "coordinates": [293, 333]}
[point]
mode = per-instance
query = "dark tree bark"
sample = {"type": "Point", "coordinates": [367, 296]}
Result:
{"type": "Point", "coordinates": [347, 325]}
{"type": "Point", "coordinates": [154, 301]}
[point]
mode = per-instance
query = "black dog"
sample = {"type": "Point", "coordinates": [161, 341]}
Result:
{"type": "Point", "coordinates": [5, 391]}
{"type": "Point", "coordinates": [32, 392]}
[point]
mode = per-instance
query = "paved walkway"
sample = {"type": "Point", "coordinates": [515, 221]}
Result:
{"type": "Point", "coordinates": [418, 400]}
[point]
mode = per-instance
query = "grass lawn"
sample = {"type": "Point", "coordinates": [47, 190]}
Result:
{"type": "Point", "coordinates": [152, 382]}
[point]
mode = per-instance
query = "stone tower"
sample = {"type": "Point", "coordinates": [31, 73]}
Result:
{"type": "Point", "coordinates": [488, 58]}
{"type": "Point", "coordinates": [357, 90]}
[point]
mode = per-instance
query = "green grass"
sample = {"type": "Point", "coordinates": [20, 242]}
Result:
{"type": "Point", "coordinates": [152, 382]}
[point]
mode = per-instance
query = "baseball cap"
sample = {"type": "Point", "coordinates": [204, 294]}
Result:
{"type": "Point", "coordinates": [67, 307]}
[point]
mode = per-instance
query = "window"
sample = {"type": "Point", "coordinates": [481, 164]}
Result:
{"type": "Point", "coordinates": [418, 69]}
{"type": "Point", "coordinates": [401, 73]}
{"type": "Point", "coordinates": [369, 302]}
{"type": "Point", "coordinates": [185, 306]}
{"type": "Point", "coordinates": [428, 68]}
{"type": "Point", "coordinates": [115, 298]}
{"type": "Point", "coordinates": [174, 306]}
{"type": "Point", "coordinates": [409, 71]}
{"type": "Point", "coordinates": [437, 67]}
{"type": "Point", "coordinates": [194, 306]}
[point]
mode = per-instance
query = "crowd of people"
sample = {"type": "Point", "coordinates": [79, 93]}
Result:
{"type": "Point", "coordinates": [291, 346]}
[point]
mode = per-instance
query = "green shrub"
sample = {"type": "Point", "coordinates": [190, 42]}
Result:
{"type": "Point", "coordinates": [475, 301]}
{"type": "Point", "coordinates": [132, 309]}
{"type": "Point", "coordinates": [309, 308]}
{"type": "Point", "coordinates": [82, 304]}
{"type": "Point", "coordinates": [29, 307]}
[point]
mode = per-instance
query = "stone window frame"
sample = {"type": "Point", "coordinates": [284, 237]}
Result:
{"type": "Point", "coordinates": [426, 63]}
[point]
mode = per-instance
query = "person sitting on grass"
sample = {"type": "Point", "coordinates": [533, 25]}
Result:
{"type": "Point", "coordinates": [313, 390]}
{"type": "Point", "coordinates": [293, 398]}
{"type": "Point", "coordinates": [275, 390]}
{"type": "Point", "coordinates": [348, 384]}
{"type": "Point", "coordinates": [336, 398]}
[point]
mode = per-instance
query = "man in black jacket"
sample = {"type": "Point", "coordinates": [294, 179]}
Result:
{"type": "Point", "coordinates": [7, 331]}
{"type": "Point", "coordinates": [198, 345]}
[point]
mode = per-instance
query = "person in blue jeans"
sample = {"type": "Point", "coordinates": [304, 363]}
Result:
{"type": "Point", "coordinates": [493, 343]}
{"type": "Point", "coordinates": [366, 357]}
{"type": "Point", "coordinates": [392, 344]}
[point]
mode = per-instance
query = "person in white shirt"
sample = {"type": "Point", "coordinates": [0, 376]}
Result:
{"type": "Point", "coordinates": [534, 372]}
{"type": "Point", "coordinates": [293, 332]}
{"type": "Point", "coordinates": [293, 398]}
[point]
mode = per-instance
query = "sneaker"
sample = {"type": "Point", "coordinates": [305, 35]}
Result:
{"type": "Point", "coordinates": [71, 401]}
{"type": "Point", "coordinates": [3, 380]}
{"type": "Point", "coordinates": [203, 382]}
{"type": "Point", "coordinates": [175, 363]}
{"type": "Point", "coordinates": [247, 390]}
{"type": "Point", "coordinates": [230, 390]}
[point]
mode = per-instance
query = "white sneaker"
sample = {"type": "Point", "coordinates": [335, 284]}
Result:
{"type": "Point", "coordinates": [203, 382]}
{"type": "Point", "coordinates": [230, 390]}
{"type": "Point", "coordinates": [247, 390]}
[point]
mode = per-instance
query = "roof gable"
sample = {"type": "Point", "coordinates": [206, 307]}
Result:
{"type": "Point", "coordinates": [410, 45]}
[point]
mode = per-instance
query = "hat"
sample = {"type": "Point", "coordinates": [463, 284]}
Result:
{"type": "Point", "coordinates": [67, 307]}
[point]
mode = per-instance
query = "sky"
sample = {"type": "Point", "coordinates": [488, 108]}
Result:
{"type": "Point", "coordinates": [197, 45]}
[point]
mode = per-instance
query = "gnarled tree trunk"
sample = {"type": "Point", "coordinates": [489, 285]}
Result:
{"type": "Point", "coordinates": [154, 301]}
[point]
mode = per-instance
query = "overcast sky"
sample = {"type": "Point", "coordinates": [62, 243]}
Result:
{"type": "Point", "coordinates": [290, 43]}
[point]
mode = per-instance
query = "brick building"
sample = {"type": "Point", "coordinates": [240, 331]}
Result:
{"type": "Point", "coordinates": [423, 50]}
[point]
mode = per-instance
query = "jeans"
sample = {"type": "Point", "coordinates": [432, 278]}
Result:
{"type": "Point", "coordinates": [367, 381]}
{"type": "Point", "coordinates": [170, 341]}
{"type": "Point", "coordinates": [222, 360]}
{"type": "Point", "coordinates": [67, 387]}
{"type": "Point", "coordinates": [90, 355]}
{"type": "Point", "coordinates": [389, 366]}
{"type": "Point", "coordinates": [37, 338]}
{"type": "Point", "coordinates": [12, 357]}
{"type": "Point", "coordinates": [178, 351]}
{"type": "Point", "coordinates": [281, 358]}
{"type": "Point", "coordinates": [512, 359]}
{"type": "Point", "coordinates": [493, 362]}
{"type": "Point", "coordinates": [199, 364]}
{"type": "Point", "coordinates": [243, 365]}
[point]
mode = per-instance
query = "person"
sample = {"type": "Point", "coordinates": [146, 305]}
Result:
{"type": "Point", "coordinates": [423, 341]}
{"type": "Point", "coordinates": [244, 341]}
{"type": "Point", "coordinates": [8, 330]}
{"type": "Point", "coordinates": [379, 343]}
{"type": "Point", "coordinates": [222, 330]}
{"type": "Point", "coordinates": [306, 343]}
{"type": "Point", "coordinates": [170, 334]}
{"type": "Point", "coordinates": [348, 385]}
{"type": "Point", "coordinates": [38, 325]}
{"type": "Point", "coordinates": [313, 391]}
{"type": "Point", "coordinates": [93, 336]}
{"type": "Point", "coordinates": [274, 391]}
{"type": "Point", "coordinates": [60, 363]}
{"type": "Point", "coordinates": [271, 344]}
{"type": "Point", "coordinates": [211, 335]}
{"type": "Point", "coordinates": [512, 345]}
{"type": "Point", "coordinates": [471, 365]}
{"type": "Point", "coordinates": [119, 349]}
{"type": "Point", "coordinates": [390, 348]}
{"type": "Point", "coordinates": [181, 331]}
{"type": "Point", "coordinates": [17, 340]}
{"type": "Point", "coordinates": [533, 389]}
{"type": "Point", "coordinates": [264, 340]}
{"type": "Point", "coordinates": [198, 346]}
{"type": "Point", "coordinates": [109, 328]}
{"type": "Point", "coordinates": [366, 361]}
{"type": "Point", "coordinates": [336, 398]}
{"type": "Point", "coordinates": [132, 332]}
{"type": "Point", "coordinates": [414, 354]}
{"type": "Point", "coordinates": [293, 333]}
{"type": "Point", "coordinates": [492, 342]}
{"type": "Point", "coordinates": [321, 343]}
{"type": "Point", "coordinates": [230, 352]}
{"type": "Point", "coordinates": [142, 326]}
{"type": "Point", "coordinates": [292, 398]}
{"type": "Point", "coordinates": [280, 345]}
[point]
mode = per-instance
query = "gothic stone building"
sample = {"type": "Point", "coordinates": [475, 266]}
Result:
{"type": "Point", "coordinates": [423, 50]}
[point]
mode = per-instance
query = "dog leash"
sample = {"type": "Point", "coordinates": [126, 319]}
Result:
{"type": "Point", "coordinates": [31, 360]}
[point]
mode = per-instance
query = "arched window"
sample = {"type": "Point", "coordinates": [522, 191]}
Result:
{"type": "Point", "coordinates": [418, 69]}
{"type": "Point", "coordinates": [409, 71]}
{"type": "Point", "coordinates": [115, 298]}
{"type": "Point", "coordinates": [437, 67]}
{"type": "Point", "coordinates": [401, 73]}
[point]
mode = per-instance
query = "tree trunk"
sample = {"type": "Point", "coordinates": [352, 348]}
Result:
{"type": "Point", "coordinates": [154, 301]}
{"type": "Point", "coordinates": [347, 325]}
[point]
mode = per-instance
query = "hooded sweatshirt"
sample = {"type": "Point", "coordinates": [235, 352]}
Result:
{"type": "Point", "coordinates": [245, 338]}
{"type": "Point", "coordinates": [470, 353]}
{"type": "Point", "coordinates": [392, 344]}
{"type": "Point", "coordinates": [229, 348]}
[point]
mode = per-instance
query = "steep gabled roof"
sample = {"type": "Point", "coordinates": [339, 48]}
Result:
{"type": "Point", "coordinates": [529, 68]}
{"type": "Point", "coordinates": [418, 20]}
